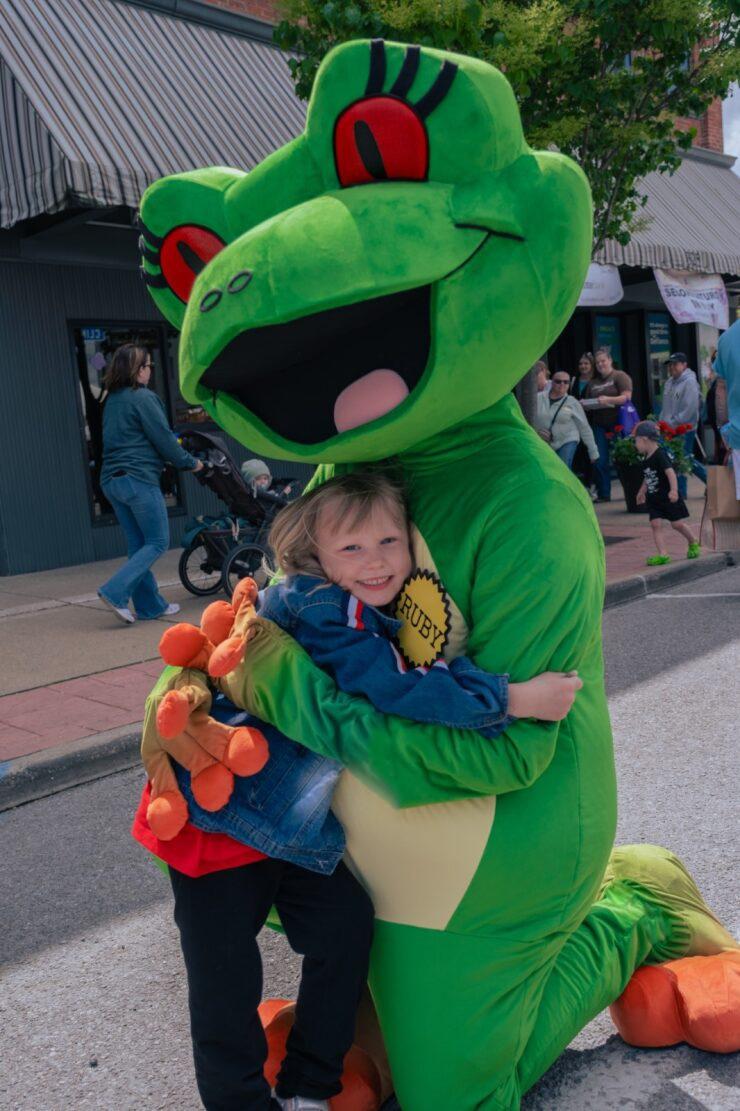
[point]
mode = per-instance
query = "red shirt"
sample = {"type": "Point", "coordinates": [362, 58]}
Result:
{"type": "Point", "coordinates": [192, 852]}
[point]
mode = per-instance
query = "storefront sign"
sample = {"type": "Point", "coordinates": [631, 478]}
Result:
{"type": "Point", "coordinates": [603, 286]}
{"type": "Point", "coordinates": [694, 298]}
{"type": "Point", "coordinates": [608, 334]}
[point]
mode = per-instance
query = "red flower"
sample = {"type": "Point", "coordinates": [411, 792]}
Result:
{"type": "Point", "coordinates": [619, 428]}
{"type": "Point", "coordinates": [609, 435]}
{"type": "Point", "coordinates": [664, 426]}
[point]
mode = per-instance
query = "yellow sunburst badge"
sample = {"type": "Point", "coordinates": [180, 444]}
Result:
{"type": "Point", "coordinates": [423, 608]}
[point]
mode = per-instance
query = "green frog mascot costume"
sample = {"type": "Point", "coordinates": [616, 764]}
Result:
{"type": "Point", "coordinates": [374, 290]}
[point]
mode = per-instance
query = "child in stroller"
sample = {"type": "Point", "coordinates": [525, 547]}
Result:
{"type": "Point", "coordinates": [218, 551]}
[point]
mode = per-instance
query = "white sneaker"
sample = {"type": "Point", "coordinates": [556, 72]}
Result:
{"type": "Point", "coordinates": [123, 613]}
{"type": "Point", "coordinates": [171, 610]}
{"type": "Point", "coordinates": [303, 1103]}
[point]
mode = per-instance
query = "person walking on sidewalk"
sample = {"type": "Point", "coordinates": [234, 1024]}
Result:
{"type": "Point", "coordinates": [727, 368]}
{"type": "Point", "coordinates": [681, 404]}
{"type": "Point", "coordinates": [137, 442]}
{"type": "Point", "coordinates": [607, 390]}
{"type": "Point", "coordinates": [561, 421]}
{"type": "Point", "coordinates": [660, 490]}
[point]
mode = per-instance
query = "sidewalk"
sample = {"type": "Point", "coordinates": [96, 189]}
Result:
{"type": "Point", "coordinates": [74, 680]}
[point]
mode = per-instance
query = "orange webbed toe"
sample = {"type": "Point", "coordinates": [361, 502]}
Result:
{"type": "Point", "coordinates": [361, 1088]}
{"type": "Point", "coordinates": [694, 1000]}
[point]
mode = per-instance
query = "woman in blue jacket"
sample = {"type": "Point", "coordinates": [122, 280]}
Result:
{"type": "Point", "coordinates": [137, 442]}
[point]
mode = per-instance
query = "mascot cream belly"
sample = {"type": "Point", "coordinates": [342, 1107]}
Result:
{"type": "Point", "coordinates": [373, 291]}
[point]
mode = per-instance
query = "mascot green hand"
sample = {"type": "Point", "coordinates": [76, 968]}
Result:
{"type": "Point", "coordinates": [375, 289]}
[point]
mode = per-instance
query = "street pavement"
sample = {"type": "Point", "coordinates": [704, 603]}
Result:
{"type": "Point", "coordinates": [93, 1006]}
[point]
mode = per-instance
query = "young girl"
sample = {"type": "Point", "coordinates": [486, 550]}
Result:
{"type": "Point", "coordinates": [660, 490]}
{"type": "Point", "coordinates": [345, 551]}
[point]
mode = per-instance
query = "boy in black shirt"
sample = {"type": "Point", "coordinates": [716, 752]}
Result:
{"type": "Point", "coordinates": [660, 490]}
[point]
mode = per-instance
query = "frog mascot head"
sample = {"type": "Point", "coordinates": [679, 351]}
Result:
{"type": "Point", "coordinates": [374, 289]}
{"type": "Point", "coordinates": [393, 270]}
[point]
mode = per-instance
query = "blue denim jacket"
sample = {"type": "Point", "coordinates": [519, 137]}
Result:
{"type": "Point", "coordinates": [284, 810]}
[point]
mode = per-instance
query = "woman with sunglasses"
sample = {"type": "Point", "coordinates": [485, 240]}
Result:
{"type": "Point", "coordinates": [137, 442]}
{"type": "Point", "coordinates": [561, 421]}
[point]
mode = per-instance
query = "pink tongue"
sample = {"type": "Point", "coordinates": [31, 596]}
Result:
{"type": "Point", "coordinates": [368, 398]}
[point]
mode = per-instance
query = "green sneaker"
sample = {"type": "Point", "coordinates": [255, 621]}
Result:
{"type": "Point", "coordinates": [694, 550]}
{"type": "Point", "coordinates": [657, 560]}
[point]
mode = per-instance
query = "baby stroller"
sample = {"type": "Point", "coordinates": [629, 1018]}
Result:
{"type": "Point", "coordinates": [218, 551]}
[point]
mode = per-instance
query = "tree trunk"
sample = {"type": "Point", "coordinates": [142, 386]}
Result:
{"type": "Point", "coordinates": [525, 392]}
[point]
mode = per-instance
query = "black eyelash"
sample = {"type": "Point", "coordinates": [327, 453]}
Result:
{"type": "Point", "coordinates": [149, 245]}
{"type": "Point", "coordinates": [434, 95]}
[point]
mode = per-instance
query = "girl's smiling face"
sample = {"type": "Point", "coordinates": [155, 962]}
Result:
{"type": "Point", "coordinates": [370, 558]}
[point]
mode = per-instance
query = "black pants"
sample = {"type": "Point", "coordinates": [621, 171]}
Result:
{"type": "Point", "coordinates": [327, 919]}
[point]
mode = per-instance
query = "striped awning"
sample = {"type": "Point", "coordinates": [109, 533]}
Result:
{"type": "Point", "coordinates": [100, 98]}
{"type": "Point", "coordinates": [691, 220]}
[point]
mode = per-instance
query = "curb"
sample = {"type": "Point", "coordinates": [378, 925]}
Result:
{"type": "Point", "coordinates": [69, 765]}
{"type": "Point", "coordinates": [638, 586]}
{"type": "Point", "coordinates": [28, 778]}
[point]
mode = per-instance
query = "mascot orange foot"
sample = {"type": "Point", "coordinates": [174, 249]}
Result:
{"type": "Point", "coordinates": [361, 1084]}
{"type": "Point", "coordinates": [212, 752]}
{"type": "Point", "coordinates": [694, 1000]}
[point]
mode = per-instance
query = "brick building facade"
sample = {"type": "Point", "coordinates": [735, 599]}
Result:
{"type": "Point", "coordinates": [269, 10]}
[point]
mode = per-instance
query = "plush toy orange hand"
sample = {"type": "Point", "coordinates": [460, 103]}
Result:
{"type": "Point", "coordinates": [218, 646]}
{"type": "Point", "coordinates": [178, 724]}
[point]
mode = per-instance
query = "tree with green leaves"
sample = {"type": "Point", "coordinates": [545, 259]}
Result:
{"type": "Point", "coordinates": [600, 80]}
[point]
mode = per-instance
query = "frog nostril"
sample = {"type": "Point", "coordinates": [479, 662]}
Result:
{"type": "Point", "coordinates": [210, 300]}
{"type": "Point", "coordinates": [239, 282]}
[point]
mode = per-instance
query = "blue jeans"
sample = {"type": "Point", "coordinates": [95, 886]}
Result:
{"type": "Point", "coordinates": [602, 465]}
{"type": "Point", "coordinates": [566, 453]}
{"type": "Point", "coordinates": [697, 468]}
{"type": "Point", "coordinates": [142, 514]}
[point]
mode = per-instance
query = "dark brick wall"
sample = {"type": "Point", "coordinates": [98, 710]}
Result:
{"type": "Point", "coordinates": [709, 133]}
{"type": "Point", "coordinates": [268, 10]}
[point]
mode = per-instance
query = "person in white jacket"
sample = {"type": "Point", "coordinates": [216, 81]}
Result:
{"type": "Point", "coordinates": [561, 421]}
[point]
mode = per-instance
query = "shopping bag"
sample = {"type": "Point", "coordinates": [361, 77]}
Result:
{"type": "Point", "coordinates": [722, 503]}
{"type": "Point", "coordinates": [627, 418]}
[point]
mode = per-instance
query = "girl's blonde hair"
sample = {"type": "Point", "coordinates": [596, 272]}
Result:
{"type": "Point", "coordinates": [349, 498]}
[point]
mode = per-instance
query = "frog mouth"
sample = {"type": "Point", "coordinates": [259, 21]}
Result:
{"type": "Point", "coordinates": [310, 379]}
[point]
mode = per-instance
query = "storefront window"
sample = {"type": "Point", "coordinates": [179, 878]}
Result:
{"type": "Point", "coordinates": [184, 412]}
{"type": "Point", "coordinates": [659, 348]}
{"type": "Point", "coordinates": [94, 344]}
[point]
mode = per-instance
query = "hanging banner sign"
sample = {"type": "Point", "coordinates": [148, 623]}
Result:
{"type": "Point", "coordinates": [603, 286]}
{"type": "Point", "coordinates": [694, 298]}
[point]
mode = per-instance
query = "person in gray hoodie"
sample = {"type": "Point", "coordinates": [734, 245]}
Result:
{"type": "Point", "coordinates": [681, 404]}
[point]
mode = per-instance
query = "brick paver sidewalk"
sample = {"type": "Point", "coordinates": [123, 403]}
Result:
{"type": "Point", "coordinates": [629, 539]}
{"type": "Point", "coordinates": [34, 720]}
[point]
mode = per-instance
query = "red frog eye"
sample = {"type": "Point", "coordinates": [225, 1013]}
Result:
{"type": "Point", "coordinates": [184, 252]}
{"type": "Point", "coordinates": [380, 138]}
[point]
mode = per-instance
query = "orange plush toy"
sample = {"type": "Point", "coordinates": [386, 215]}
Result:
{"type": "Point", "coordinates": [212, 752]}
